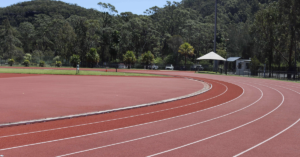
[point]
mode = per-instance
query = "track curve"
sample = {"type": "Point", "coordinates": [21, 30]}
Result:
{"type": "Point", "coordinates": [238, 117]}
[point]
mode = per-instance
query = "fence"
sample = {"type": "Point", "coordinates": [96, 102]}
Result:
{"type": "Point", "coordinates": [277, 73]}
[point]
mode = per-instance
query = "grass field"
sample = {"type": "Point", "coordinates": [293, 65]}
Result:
{"type": "Point", "coordinates": [69, 72]}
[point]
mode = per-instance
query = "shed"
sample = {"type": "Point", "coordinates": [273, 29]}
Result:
{"type": "Point", "coordinates": [242, 66]}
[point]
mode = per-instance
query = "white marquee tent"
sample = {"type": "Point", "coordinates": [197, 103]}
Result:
{"type": "Point", "coordinates": [211, 56]}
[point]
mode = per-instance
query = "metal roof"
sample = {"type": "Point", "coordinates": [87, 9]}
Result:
{"type": "Point", "coordinates": [232, 59]}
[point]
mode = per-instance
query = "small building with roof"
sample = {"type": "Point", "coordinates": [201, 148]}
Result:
{"type": "Point", "coordinates": [239, 66]}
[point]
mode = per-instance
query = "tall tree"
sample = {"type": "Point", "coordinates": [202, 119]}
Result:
{"type": "Point", "coordinates": [9, 42]}
{"type": "Point", "coordinates": [27, 34]}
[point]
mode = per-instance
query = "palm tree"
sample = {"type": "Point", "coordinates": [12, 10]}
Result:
{"type": "Point", "coordinates": [147, 58]}
{"type": "Point", "coordinates": [92, 57]}
{"type": "Point", "coordinates": [186, 49]}
{"type": "Point", "coordinates": [129, 58]}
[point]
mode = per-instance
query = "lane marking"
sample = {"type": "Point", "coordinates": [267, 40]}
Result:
{"type": "Point", "coordinates": [118, 128]}
{"type": "Point", "coordinates": [224, 131]}
{"type": "Point", "coordinates": [118, 118]}
{"type": "Point", "coordinates": [195, 124]}
{"type": "Point", "coordinates": [268, 139]}
{"type": "Point", "coordinates": [277, 133]}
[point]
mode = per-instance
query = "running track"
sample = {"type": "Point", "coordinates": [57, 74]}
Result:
{"type": "Point", "coordinates": [238, 117]}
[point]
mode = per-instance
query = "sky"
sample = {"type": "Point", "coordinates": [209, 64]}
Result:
{"type": "Point", "coordinates": [134, 6]}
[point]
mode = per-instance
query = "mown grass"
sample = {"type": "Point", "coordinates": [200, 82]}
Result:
{"type": "Point", "coordinates": [69, 72]}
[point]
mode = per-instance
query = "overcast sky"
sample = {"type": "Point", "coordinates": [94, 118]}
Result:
{"type": "Point", "coordinates": [134, 6]}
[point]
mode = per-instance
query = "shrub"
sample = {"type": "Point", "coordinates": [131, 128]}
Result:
{"type": "Point", "coordinates": [42, 64]}
{"type": "Point", "coordinates": [58, 63]}
{"type": "Point", "coordinates": [57, 58]}
{"type": "Point", "coordinates": [27, 56]}
{"type": "Point", "coordinates": [75, 59]}
{"type": "Point", "coordinates": [11, 62]}
{"type": "Point", "coordinates": [26, 63]}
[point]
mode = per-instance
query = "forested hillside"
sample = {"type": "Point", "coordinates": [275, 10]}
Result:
{"type": "Point", "coordinates": [48, 28]}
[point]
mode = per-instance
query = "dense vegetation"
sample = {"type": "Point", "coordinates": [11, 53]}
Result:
{"type": "Point", "coordinates": [266, 29]}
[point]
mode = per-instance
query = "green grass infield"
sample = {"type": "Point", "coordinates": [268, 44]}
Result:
{"type": "Point", "coordinates": [70, 72]}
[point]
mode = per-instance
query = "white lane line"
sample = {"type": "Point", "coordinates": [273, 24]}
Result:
{"type": "Point", "coordinates": [118, 128]}
{"type": "Point", "coordinates": [224, 131]}
{"type": "Point", "coordinates": [195, 124]}
{"type": "Point", "coordinates": [277, 133]}
{"type": "Point", "coordinates": [119, 118]}
{"type": "Point", "coordinates": [267, 139]}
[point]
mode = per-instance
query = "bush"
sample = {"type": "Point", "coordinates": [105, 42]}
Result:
{"type": "Point", "coordinates": [27, 56]}
{"type": "Point", "coordinates": [11, 62]}
{"type": "Point", "coordinates": [75, 59]}
{"type": "Point", "coordinates": [58, 63]}
{"type": "Point", "coordinates": [26, 63]}
{"type": "Point", "coordinates": [42, 64]}
{"type": "Point", "coordinates": [57, 58]}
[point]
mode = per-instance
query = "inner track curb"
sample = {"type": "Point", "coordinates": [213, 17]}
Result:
{"type": "Point", "coordinates": [207, 87]}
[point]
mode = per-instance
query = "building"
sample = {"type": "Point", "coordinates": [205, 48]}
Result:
{"type": "Point", "coordinates": [239, 66]}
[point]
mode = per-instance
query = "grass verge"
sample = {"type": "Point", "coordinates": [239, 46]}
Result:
{"type": "Point", "coordinates": [70, 72]}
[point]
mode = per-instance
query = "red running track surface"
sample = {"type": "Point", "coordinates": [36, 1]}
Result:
{"type": "Point", "coordinates": [238, 117]}
{"type": "Point", "coordinates": [42, 96]}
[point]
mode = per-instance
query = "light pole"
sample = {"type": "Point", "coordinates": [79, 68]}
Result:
{"type": "Point", "coordinates": [226, 64]}
{"type": "Point", "coordinates": [215, 37]}
{"type": "Point", "coordinates": [295, 55]}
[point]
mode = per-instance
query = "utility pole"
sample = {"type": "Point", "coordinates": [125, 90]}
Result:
{"type": "Point", "coordinates": [226, 64]}
{"type": "Point", "coordinates": [215, 38]}
{"type": "Point", "coordinates": [295, 56]}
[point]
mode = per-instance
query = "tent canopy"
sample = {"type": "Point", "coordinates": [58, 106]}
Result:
{"type": "Point", "coordinates": [211, 56]}
{"type": "Point", "coordinates": [232, 59]}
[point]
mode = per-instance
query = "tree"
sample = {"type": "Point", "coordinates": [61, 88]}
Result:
{"type": "Point", "coordinates": [187, 50]}
{"type": "Point", "coordinates": [74, 60]}
{"type": "Point", "coordinates": [147, 58]}
{"type": "Point", "coordinates": [27, 56]}
{"type": "Point", "coordinates": [8, 40]}
{"type": "Point", "coordinates": [11, 62]}
{"type": "Point", "coordinates": [129, 58]}
{"type": "Point", "coordinates": [56, 58]}
{"type": "Point", "coordinates": [254, 65]}
{"type": "Point", "coordinates": [265, 28]}
{"type": "Point", "coordinates": [289, 11]}
{"type": "Point", "coordinates": [174, 43]}
{"type": "Point", "coordinates": [92, 57]}
{"type": "Point", "coordinates": [27, 33]}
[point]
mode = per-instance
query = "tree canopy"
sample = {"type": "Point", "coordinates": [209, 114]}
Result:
{"type": "Point", "coordinates": [261, 28]}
